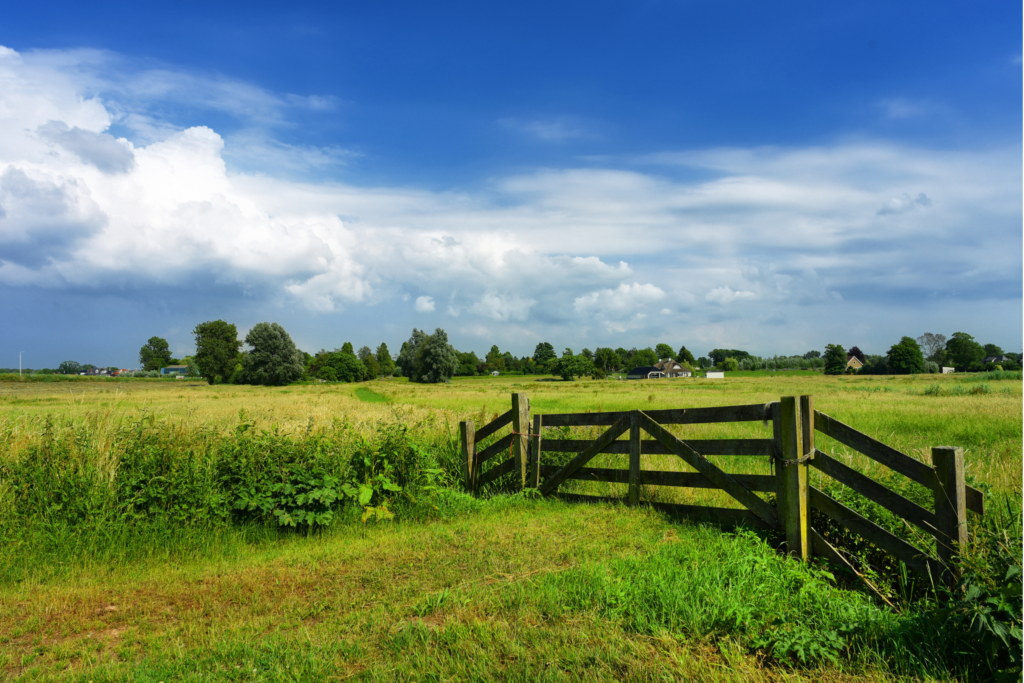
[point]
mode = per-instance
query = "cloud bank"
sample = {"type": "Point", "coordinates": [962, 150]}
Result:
{"type": "Point", "coordinates": [633, 250]}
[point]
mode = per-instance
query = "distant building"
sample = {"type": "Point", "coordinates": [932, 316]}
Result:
{"type": "Point", "coordinates": [948, 371]}
{"type": "Point", "coordinates": [494, 373]}
{"type": "Point", "coordinates": [174, 370]}
{"type": "Point", "coordinates": [671, 368]}
{"type": "Point", "coordinates": [646, 372]}
{"type": "Point", "coordinates": [995, 359]}
{"type": "Point", "coordinates": [715, 374]}
{"type": "Point", "coordinates": [853, 363]}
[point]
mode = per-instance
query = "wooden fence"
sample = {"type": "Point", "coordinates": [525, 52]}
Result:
{"type": "Point", "coordinates": [794, 422]}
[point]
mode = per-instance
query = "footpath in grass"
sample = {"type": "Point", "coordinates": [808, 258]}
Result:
{"type": "Point", "coordinates": [505, 590]}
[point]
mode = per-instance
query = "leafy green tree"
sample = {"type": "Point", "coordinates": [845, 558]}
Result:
{"type": "Point", "coordinates": [993, 350]}
{"type": "Point", "coordinates": [407, 356]}
{"type": "Point", "coordinates": [69, 367]}
{"type": "Point", "coordinates": [363, 352]}
{"type": "Point", "coordinates": [347, 348]}
{"type": "Point", "coordinates": [544, 353]}
{"type": "Point", "coordinates": [372, 367]}
{"type": "Point", "coordinates": [193, 369]}
{"type": "Point", "coordinates": [327, 373]}
{"type": "Point", "coordinates": [588, 354]}
{"type": "Point", "coordinates": [468, 363]}
{"type": "Point", "coordinates": [217, 348]}
{"type": "Point", "coordinates": [812, 354]}
{"type": "Point", "coordinates": [155, 354]}
{"type": "Point", "coordinates": [933, 346]}
{"type": "Point", "coordinates": [730, 365]}
{"type": "Point", "coordinates": [436, 359]}
{"type": "Point", "coordinates": [719, 355]}
{"type": "Point", "coordinates": [644, 357]}
{"type": "Point", "coordinates": [704, 362]}
{"type": "Point", "coordinates": [494, 360]}
{"type": "Point", "coordinates": [963, 351]}
{"type": "Point", "coordinates": [835, 359]}
{"type": "Point", "coordinates": [273, 360]}
{"type": "Point", "coordinates": [570, 366]}
{"type": "Point", "coordinates": [345, 367]}
{"type": "Point", "coordinates": [905, 358]}
{"type": "Point", "coordinates": [606, 359]}
{"type": "Point", "coordinates": [664, 352]}
{"type": "Point", "coordinates": [857, 353]}
{"type": "Point", "coordinates": [385, 361]}
{"type": "Point", "coordinates": [684, 356]}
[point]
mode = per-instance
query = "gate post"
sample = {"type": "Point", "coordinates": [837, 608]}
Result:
{"type": "Point", "coordinates": [634, 457]}
{"type": "Point", "coordinates": [950, 506]}
{"type": "Point", "coordinates": [791, 496]}
{"type": "Point", "coordinates": [467, 449]}
{"type": "Point", "coordinates": [520, 443]}
{"type": "Point", "coordinates": [535, 450]}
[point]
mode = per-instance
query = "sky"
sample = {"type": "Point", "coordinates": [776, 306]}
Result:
{"type": "Point", "coordinates": [772, 178]}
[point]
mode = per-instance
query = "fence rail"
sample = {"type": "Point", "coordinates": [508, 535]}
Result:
{"type": "Point", "coordinates": [794, 422]}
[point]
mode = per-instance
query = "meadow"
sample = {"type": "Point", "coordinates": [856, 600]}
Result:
{"type": "Point", "coordinates": [145, 536]}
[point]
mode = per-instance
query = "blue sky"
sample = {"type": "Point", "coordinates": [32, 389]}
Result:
{"type": "Point", "coordinates": [741, 175]}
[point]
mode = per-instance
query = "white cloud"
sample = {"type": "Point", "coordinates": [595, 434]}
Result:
{"type": "Point", "coordinates": [424, 304]}
{"type": "Point", "coordinates": [904, 203]}
{"type": "Point", "coordinates": [725, 295]}
{"type": "Point", "coordinates": [550, 130]}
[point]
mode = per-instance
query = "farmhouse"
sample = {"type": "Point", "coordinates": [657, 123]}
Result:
{"type": "Point", "coordinates": [647, 372]}
{"type": "Point", "coordinates": [995, 359]}
{"type": "Point", "coordinates": [671, 368]}
{"type": "Point", "coordinates": [853, 363]}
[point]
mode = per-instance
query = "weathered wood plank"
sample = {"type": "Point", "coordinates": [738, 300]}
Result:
{"type": "Point", "coordinates": [749, 413]}
{"type": "Point", "coordinates": [496, 472]}
{"type": "Point", "coordinates": [692, 480]}
{"type": "Point", "coordinates": [914, 558]}
{"type": "Point", "coordinates": [872, 490]}
{"type": "Point", "coordinates": [950, 507]}
{"type": "Point", "coordinates": [705, 446]}
{"type": "Point", "coordinates": [634, 459]}
{"type": "Point", "coordinates": [500, 446]}
{"type": "Point", "coordinates": [876, 450]}
{"type": "Point", "coordinates": [536, 444]}
{"type": "Point", "coordinates": [520, 442]}
{"type": "Point", "coordinates": [493, 427]}
{"type": "Point", "coordinates": [791, 501]}
{"type": "Point", "coordinates": [583, 458]}
{"type": "Point", "coordinates": [823, 548]}
{"type": "Point", "coordinates": [727, 517]}
{"type": "Point", "coordinates": [975, 500]}
{"type": "Point", "coordinates": [723, 480]}
{"type": "Point", "coordinates": [467, 450]}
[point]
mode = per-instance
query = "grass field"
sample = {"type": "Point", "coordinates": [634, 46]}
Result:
{"type": "Point", "coordinates": [166, 586]}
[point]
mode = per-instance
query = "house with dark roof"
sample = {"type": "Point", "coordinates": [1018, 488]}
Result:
{"type": "Point", "coordinates": [995, 359]}
{"type": "Point", "coordinates": [646, 372]}
{"type": "Point", "coordinates": [671, 368]}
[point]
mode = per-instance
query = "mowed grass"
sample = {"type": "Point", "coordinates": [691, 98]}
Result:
{"type": "Point", "coordinates": [507, 590]}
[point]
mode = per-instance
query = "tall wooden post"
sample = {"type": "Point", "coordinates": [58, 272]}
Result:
{"type": "Point", "coordinates": [535, 450]}
{"type": "Point", "coordinates": [634, 457]}
{"type": "Point", "coordinates": [950, 506]}
{"type": "Point", "coordinates": [520, 443]}
{"type": "Point", "coordinates": [791, 497]}
{"type": "Point", "coordinates": [467, 448]}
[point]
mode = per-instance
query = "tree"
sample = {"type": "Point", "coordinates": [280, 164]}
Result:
{"type": "Point", "coordinates": [437, 360]}
{"type": "Point", "coordinates": [835, 359]}
{"type": "Point", "coordinates": [494, 360]}
{"type": "Point", "coordinates": [856, 353]}
{"type": "Point", "coordinates": [644, 357]}
{"type": "Point", "coordinates": [905, 358]}
{"type": "Point", "coordinates": [684, 356]}
{"type": "Point", "coordinates": [468, 363]}
{"type": "Point", "coordinates": [963, 351]}
{"type": "Point", "coordinates": [932, 345]}
{"type": "Point", "coordinates": [193, 369]}
{"type": "Point", "coordinates": [273, 360]}
{"type": "Point", "coordinates": [812, 354]}
{"type": "Point", "coordinates": [364, 352]}
{"type": "Point", "coordinates": [588, 354]}
{"type": "Point", "coordinates": [704, 362]}
{"type": "Point", "coordinates": [570, 366]}
{"type": "Point", "coordinates": [993, 350]}
{"type": "Point", "coordinates": [384, 361]}
{"type": "Point", "coordinates": [543, 353]}
{"type": "Point", "coordinates": [719, 355]}
{"type": "Point", "coordinates": [730, 365]}
{"type": "Point", "coordinates": [664, 352]}
{"type": "Point", "coordinates": [606, 359]}
{"type": "Point", "coordinates": [347, 348]}
{"type": "Point", "coordinates": [407, 356]}
{"type": "Point", "coordinates": [155, 354]}
{"type": "Point", "coordinates": [69, 367]}
{"type": "Point", "coordinates": [217, 348]}
{"type": "Point", "coordinates": [372, 367]}
{"type": "Point", "coordinates": [338, 366]}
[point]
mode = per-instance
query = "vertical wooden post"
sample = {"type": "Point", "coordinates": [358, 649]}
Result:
{"type": "Point", "coordinates": [535, 449]}
{"type": "Point", "coordinates": [791, 497]}
{"type": "Point", "coordinates": [467, 447]}
{"type": "Point", "coordinates": [634, 457]}
{"type": "Point", "coordinates": [807, 443]}
{"type": "Point", "coordinates": [520, 443]}
{"type": "Point", "coordinates": [950, 506]}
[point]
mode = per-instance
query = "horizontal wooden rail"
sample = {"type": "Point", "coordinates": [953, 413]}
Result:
{"type": "Point", "coordinates": [493, 427]}
{"type": "Point", "coordinates": [500, 446]}
{"type": "Point", "coordinates": [496, 472]}
{"type": "Point", "coordinates": [703, 446]}
{"type": "Point", "coordinates": [584, 457]}
{"type": "Point", "coordinates": [693, 480]}
{"type": "Point", "coordinates": [914, 558]}
{"type": "Point", "coordinates": [758, 412]}
{"type": "Point", "coordinates": [872, 490]}
{"type": "Point", "coordinates": [730, 517]}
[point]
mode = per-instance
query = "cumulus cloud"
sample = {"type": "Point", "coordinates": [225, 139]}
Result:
{"type": "Point", "coordinates": [595, 251]}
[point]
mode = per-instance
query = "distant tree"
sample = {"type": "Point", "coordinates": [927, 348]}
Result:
{"type": "Point", "coordinates": [407, 357]}
{"type": "Point", "coordinates": [543, 353]}
{"type": "Point", "coordinates": [372, 367]}
{"type": "Point", "coordinates": [217, 348]}
{"type": "Point", "coordinates": [905, 358]}
{"type": "Point", "coordinates": [468, 363]}
{"type": "Point", "coordinates": [273, 360]}
{"type": "Point", "coordinates": [69, 367]}
{"type": "Point", "coordinates": [932, 345]}
{"type": "Point", "coordinates": [566, 352]}
{"type": "Point", "coordinates": [436, 359]}
{"type": "Point", "coordinates": [835, 359]}
{"type": "Point", "coordinates": [384, 361]}
{"type": "Point", "coordinates": [704, 362]}
{"type": "Point", "coordinates": [364, 352]}
{"type": "Point", "coordinates": [155, 354]}
{"type": "Point", "coordinates": [327, 373]}
{"type": "Point", "coordinates": [494, 360]}
{"type": "Point", "coordinates": [347, 348]}
{"type": "Point", "coordinates": [812, 354]}
{"type": "Point", "coordinates": [193, 369]}
{"type": "Point", "coordinates": [344, 367]}
{"type": "Point", "coordinates": [684, 356]}
{"type": "Point", "coordinates": [570, 366]}
{"type": "Point", "coordinates": [993, 350]}
{"type": "Point", "coordinates": [588, 354]}
{"type": "Point", "coordinates": [719, 355]}
{"type": "Point", "coordinates": [730, 365]}
{"type": "Point", "coordinates": [606, 359]}
{"type": "Point", "coordinates": [856, 353]}
{"type": "Point", "coordinates": [644, 358]}
{"type": "Point", "coordinates": [664, 352]}
{"type": "Point", "coordinates": [964, 352]}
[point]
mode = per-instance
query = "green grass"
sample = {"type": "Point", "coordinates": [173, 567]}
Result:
{"type": "Point", "coordinates": [364, 394]}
